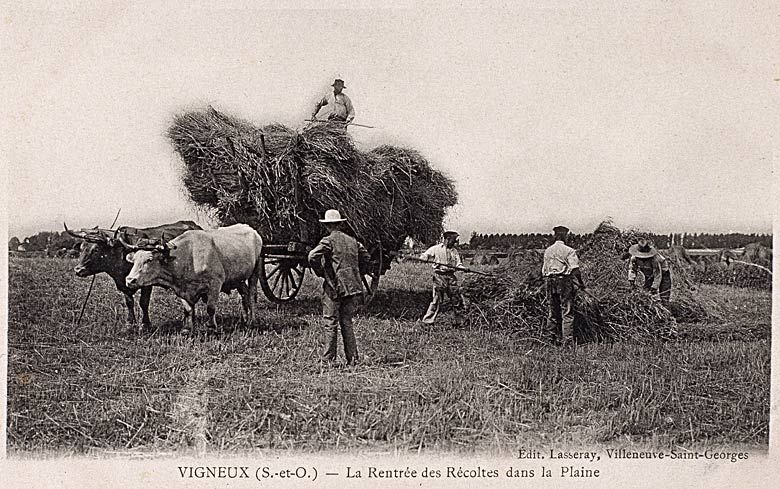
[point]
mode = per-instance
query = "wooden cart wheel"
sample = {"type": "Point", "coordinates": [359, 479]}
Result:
{"type": "Point", "coordinates": [281, 278]}
{"type": "Point", "coordinates": [371, 279]}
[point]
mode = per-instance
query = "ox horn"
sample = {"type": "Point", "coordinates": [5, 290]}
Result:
{"type": "Point", "coordinates": [166, 246]}
{"type": "Point", "coordinates": [72, 233]}
{"type": "Point", "coordinates": [81, 235]}
{"type": "Point", "coordinates": [124, 243]}
{"type": "Point", "coordinates": [148, 247]}
{"type": "Point", "coordinates": [87, 236]}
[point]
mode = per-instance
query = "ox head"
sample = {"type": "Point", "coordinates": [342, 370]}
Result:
{"type": "Point", "coordinates": [100, 251]}
{"type": "Point", "coordinates": [150, 260]}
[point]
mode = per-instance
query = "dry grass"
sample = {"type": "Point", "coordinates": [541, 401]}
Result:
{"type": "Point", "coordinates": [736, 274]}
{"type": "Point", "coordinates": [97, 389]}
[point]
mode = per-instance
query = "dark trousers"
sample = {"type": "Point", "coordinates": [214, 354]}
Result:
{"type": "Point", "coordinates": [338, 314]}
{"type": "Point", "coordinates": [664, 288]}
{"type": "Point", "coordinates": [560, 303]}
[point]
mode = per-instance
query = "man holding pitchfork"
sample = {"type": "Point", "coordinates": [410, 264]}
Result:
{"type": "Point", "coordinates": [446, 261]}
{"type": "Point", "coordinates": [341, 109]}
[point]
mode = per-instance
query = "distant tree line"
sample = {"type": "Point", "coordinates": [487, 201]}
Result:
{"type": "Point", "coordinates": [44, 240]}
{"type": "Point", "coordinates": [730, 240]}
{"type": "Point", "coordinates": [55, 241]}
{"type": "Point", "coordinates": [690, 241]}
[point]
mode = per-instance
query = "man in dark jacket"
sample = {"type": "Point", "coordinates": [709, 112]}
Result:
{"type": "Point", "coordinates": [655, 268]}
{"type": "Point", "coordinates": [340, 259]}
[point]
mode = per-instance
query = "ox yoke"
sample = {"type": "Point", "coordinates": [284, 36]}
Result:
{"type": "Point", "coordinates": [164, 231]}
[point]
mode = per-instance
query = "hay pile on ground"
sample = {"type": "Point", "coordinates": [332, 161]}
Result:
{"type": "Point", "coordinates": [736, 274]}
{"type": "Point", "coordinates": [484, 259]}
{"type": "Point", "coordinates": [515, 297]}
{"type": "Point", "coordinates": [280, 181]}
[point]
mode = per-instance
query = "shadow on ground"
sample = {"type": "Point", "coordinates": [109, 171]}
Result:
{"type": "Point", "coordinates": [265, 321]}
{"type": "Point", "coordinates": [398, 304]}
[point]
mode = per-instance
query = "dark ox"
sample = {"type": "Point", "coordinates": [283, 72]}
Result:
{"type": "Point", "coordinates": [757, 253]}
{"type": "Point", "coordinates": [201, 264]}
{"type": "Point", "coordinates": [103, 252]}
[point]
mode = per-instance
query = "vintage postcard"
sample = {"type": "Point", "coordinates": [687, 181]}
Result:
{"type": "Point", "coordinates": [358, 244]}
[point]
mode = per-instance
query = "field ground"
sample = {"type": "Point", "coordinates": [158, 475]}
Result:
{"type": "Point", "coordinates": [99, 389]}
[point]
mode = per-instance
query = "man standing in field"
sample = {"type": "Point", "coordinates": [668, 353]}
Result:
{"type": "Point", "coordinates": [560, 266]}
{"type": "Point", "coordinates": [445, 259]}
{"type": "Point", "coordinates": [340, 259]}
{"type": "Point", "coordinates": [655, 268]}
{"type": "Point", "coordinates": [341, 109]}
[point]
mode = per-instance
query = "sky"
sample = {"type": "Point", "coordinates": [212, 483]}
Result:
{"type": "Point", "coordinates": [657, 116]}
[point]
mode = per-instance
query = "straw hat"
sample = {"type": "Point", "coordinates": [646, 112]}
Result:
{"type": "Point", "coordinates": [450, 233]}
{"type": "Point", "coordinates": [332, 215]}
{"type": "Point", "coordinates": [560, 229]}
{"type": "Point", "coordinates": [642, 250]}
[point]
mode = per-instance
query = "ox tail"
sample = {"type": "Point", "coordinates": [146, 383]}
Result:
{"type": "Point", "coordinates": [256, 273]}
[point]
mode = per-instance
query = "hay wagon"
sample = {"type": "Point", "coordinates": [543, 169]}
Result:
{"type": "Point", "coordinates": [284, 266]}
{"type": "Point", "coordinates": [279, 181]}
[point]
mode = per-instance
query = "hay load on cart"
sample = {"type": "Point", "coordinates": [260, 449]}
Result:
{"type": "Point", "coordinates": [281, 181]}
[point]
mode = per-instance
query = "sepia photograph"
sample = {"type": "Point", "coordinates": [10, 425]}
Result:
{"type": "Point", "coordinates": [335, 244]}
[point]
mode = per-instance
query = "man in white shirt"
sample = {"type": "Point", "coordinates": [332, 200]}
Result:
{"type": "Point", "coordinates": [445, 259]}
{"type": "Point", "coordinates": [340, 105]}
{"type": "Point", "coordinates": [560, 265]}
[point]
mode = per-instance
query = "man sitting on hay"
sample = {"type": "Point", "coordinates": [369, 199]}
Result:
{"type": "Point", "coordinates": [341, 260]}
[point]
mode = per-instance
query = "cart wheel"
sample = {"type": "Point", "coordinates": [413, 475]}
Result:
{"type": "Point", "coordinates": [281, 278]}
{"type": "Point", "coordinates": [371, 279]}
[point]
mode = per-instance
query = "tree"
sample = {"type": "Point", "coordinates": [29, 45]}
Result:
{"type": "Point", "coordinates": [13, 244]}
{"type": "Point", "coordinates": [474, 240]}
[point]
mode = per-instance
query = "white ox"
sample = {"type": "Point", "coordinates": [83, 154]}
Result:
{"type": "Point", "coordinates": [199, 264]}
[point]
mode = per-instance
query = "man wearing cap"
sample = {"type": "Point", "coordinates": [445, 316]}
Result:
{"type": "Point", "coordinates": [445, 259]}
{"type": "Point", "coordinates": [560, 266]}
{"type": "Point", "coordinates": [340, 259]}
{"type": "Point", "coordinates": [340, 105]}
{"type": "Point", "coordinates": [655, 268]}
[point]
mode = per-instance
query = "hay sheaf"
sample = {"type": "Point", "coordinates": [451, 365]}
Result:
{"type": "Point", "coordinates": [737, 274]}
{"type": "Point", "coordinates": [515, 297]}
{"type": "Point", "coordinates": [280, 181]}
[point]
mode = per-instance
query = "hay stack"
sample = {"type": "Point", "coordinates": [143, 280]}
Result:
{"type": "Point", "coordinates": [600, 256]}
{"type": "Point", "coordinates": [280, 181]}
{"type": "Point", "coordinates": [516, 298]}
{"type": "Point", "coordinates": [736, 274]}
{"type": "Point", "coordinates": [523, 256]}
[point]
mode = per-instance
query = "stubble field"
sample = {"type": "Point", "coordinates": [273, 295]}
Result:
{"type": "Point", "coordinates": [98, 389]}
